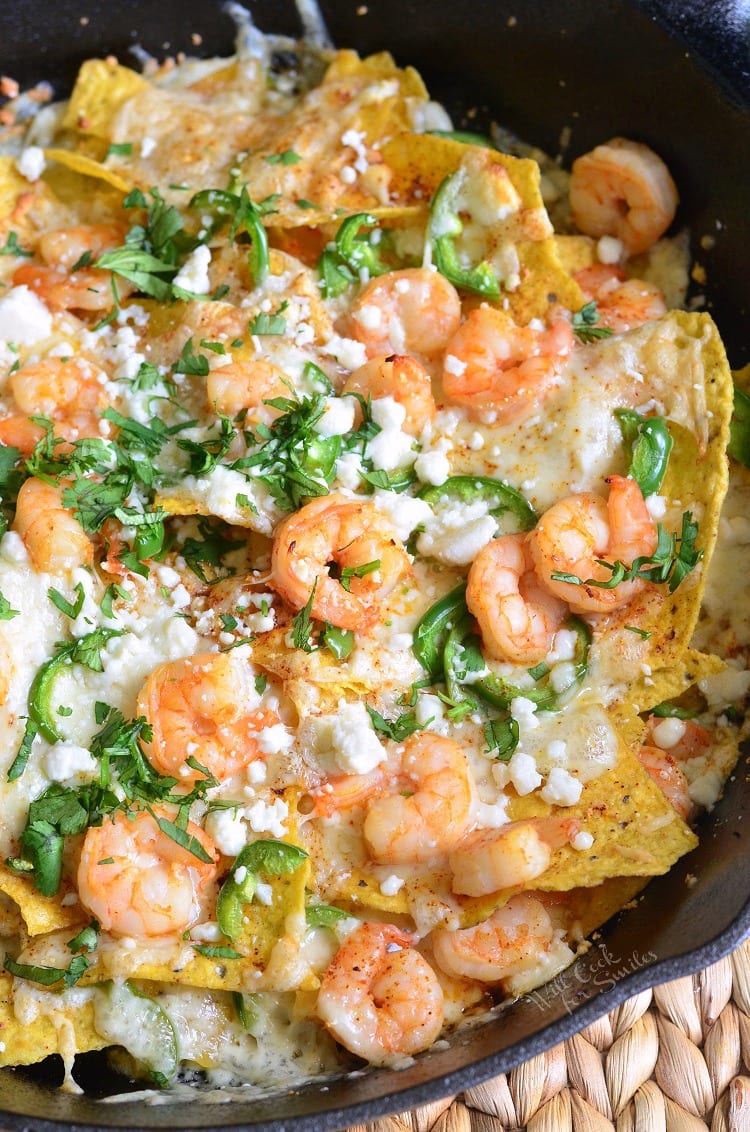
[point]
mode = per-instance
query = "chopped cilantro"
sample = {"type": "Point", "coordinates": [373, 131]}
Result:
{"type": "Point", "coordinates": [12, 247]}
{"type": "Point", "coordinates": [70, 609]}
{"type": "Point", "coordinates": [288, 157]}
{"type": "Point", "coordinates": [6, 613]}
{"type": "Point", "coordinates": [585, 324]}
{"type": "Point", "coordinates": [397, 729]}
{"type": "Point", "coordinates": [269, 323]}
{"type": "Point", "coordinates": [119, 149]}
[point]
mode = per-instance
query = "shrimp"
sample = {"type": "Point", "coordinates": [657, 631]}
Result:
{"type": "Point", "coordinates": [579, 530]}
{"type": "Point", "coordinates": [490, 363]}
{"type": "Point", "coordinates": [379, 997]}
{"type": "Point", "coordinates": [351, 534]}
{"type": "Point", "coordinates": [622, 304]}
{"type": "Point", "coordinates": [137, 881]}
{"type": "Point", "coordinates": [55, 281]}
{"type": "Point", "coordinates": [432, 808]}
{"type": "Point", "coordinates": [54, 539]}
{"type": "Point", "coordinates": [415, 311]}
{"type": "Point", "coordinates": [68, 390]}
{"type": "Point", "coordinates": [518, 617]}
{"type": "Point", "coordinates": [198, 706]}
{"type": "Point", "coordinates": [623, 189]}
{"type": "Point", "coordinates": [512, 941]}
{"type": "Point", "coordinates": [490, 859]}
{"type": "Point", "coordinates": [668, 776]}
{"type": "Point", "coordinates": [402, 378]}
{"type": "Point", "coordinates": [682, 738]}
{"type": "Point", "coordinates": [246, 386]}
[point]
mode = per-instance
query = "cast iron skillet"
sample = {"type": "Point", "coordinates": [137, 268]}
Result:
{"type": "Point", "coordinates": [671, 73]}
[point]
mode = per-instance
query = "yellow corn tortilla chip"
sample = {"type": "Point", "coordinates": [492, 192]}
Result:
{"type": "Point", "coordinates": [685, 368]}
{"type": "Point", "coordinates": [369, 97]}
{"type": "Point", "coordinates": [25, 208]}
{"type": "Point", "coordinates": [420, 162]}
{"type": "Point", "coordinates": [41, 914]}
{"type": "Point", "coordinates": [575, 252]}
{"type": "Point", "coordinates": [100, 90]}
{"type": "Point", "coordinates": [67, 1030]}
{"type": "Point", "coordinates": [12, 185]}
{"type": "Point", "coordinates": [582, 910]}
{"type": "Point", "coordinates": [636, 833]}
{"type": "Point", "coordinates": [266, 928]}
{"type": "Point", "coordinates": [79, 163]}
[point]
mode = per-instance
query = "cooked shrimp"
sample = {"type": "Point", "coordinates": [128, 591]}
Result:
{"type": "Point", "coordinates": [431, 809]}
{"type": "Point", "coordinates": [518, 617]}
{"type": "Point", "coordinates": [415, 312]}
{"type": "Point", "coordinates": [515, 939]}
{"type": "Point", "coordinates": [490, 859]}
{"type": "Point", "coordinates": [137, 881]}
{"type": "Point", "coordinates": [490, 363]}
{"type": "Point", "coordinates": [65, 247]}
{"type": "Point", "coordinates": [380, 998]}
{"type": "Point", "coordinates": [350, 533]}
{"type": "Point", "coordinates": [68, 390]}
{"type": "Point", "coordinates": [682, 738]}
{"type": "Point", "coordinates": [54, 539]}
{"type": "Point", "coordinates": [198, 707]}
{"type": "Point", "coordinates": [402, 378]}
{"type": "Point", "coordinates": [55, 281]}
{"type": "Point", "coordinates": [622, 304]}
{"type": "Point", "coordinates": [671, 780]}
{"type": "Point", "coordinates": [245, 386]}
{"type": "Point", "coordinates": [579, 530]}
{"type": "Point", "coordinates": [623, 189]}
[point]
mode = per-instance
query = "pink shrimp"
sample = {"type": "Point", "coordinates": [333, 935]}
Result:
{"type": "Point", "coordinates": [490, 363]}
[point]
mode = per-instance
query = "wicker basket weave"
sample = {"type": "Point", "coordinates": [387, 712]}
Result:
{"type": "Point", "coordinates": [675, 1059]}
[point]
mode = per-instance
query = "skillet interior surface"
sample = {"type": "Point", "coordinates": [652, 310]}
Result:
{"type": "Point", "coordinates": [602, 69]}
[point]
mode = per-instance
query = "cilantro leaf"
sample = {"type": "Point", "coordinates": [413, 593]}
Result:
{"type": "Point", "coordinates": [585, 323]}
{"type": "Point", "coordinates": [397, 729]}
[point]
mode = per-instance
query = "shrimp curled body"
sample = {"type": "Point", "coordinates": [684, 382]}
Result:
{"type": "Point", "coordinates": [380, 998]}
{"type": "Point", "coordinates": [623, 189]}
{"type": "Point", "coordinates": [493, 364]}
{"type": "Point", "coordinates": [622, 304]}
{"type": "Point", "coordinates": [350, 534]}
{"type": "Point", "coordinates": [491, 859]}
{"type": "Point", "coordinates": [514, 940]}
{"type": "Point", "coordinates": [432, 808]}
{"type": "Point", "coordinates": [414, 311]}
{"type": "Point", "coordinates": [54, 539]}
{"type": "Point", "coordinates": [137, 881]}
{"type": "Point", "coordinates": [402, 378]}
{"type": "Point", "coordinates": [199, 706]}
{"type": "Point", "coordinates": [517, 616]}
{"type": "Point", "coordinates": [579, 530]}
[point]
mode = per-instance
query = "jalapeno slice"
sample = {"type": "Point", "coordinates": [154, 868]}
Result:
{"type": "Point", "coordinates": [650, 444]}
{"type": "Point", "coordinates": [502, 496]}
{"type": "Point", "coordinates": [445, 225]}
{"type": "Point", "coordinates": [739, 429]}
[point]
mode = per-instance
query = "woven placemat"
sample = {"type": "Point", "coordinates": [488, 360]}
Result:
{"type": "Point", "coordinates": [675, 1059]}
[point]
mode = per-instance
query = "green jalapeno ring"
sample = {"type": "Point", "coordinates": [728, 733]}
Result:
{"type": "Point", "coordinates": [445, 224]}
{"type": "Point", "coordinates": [469, 488]}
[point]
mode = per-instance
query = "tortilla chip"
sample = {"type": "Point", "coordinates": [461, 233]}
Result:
{"type": "Point", "coordinates": [636, 832]}
{"type": "Point", "coordinates": [100, 90]}
{"type": "Point", "coordinates": [79, 163]}
{"type": "Point", "coordinates": [371, 97]}
{"type": "Point", "coordinates": [420, 162]}
{"type": "Point", "coordinates": [684, 368]}
{"type": "Point", "coordinates": [58, 1027]}
{"type": "Point", "coordinates": [575, 252]}
{"type": "Point", "coordinates": [27, 209]}
{"type": "Point", "coordinates": [582, 910]}
{"type": "Point", "coordinates": [41, 914]}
